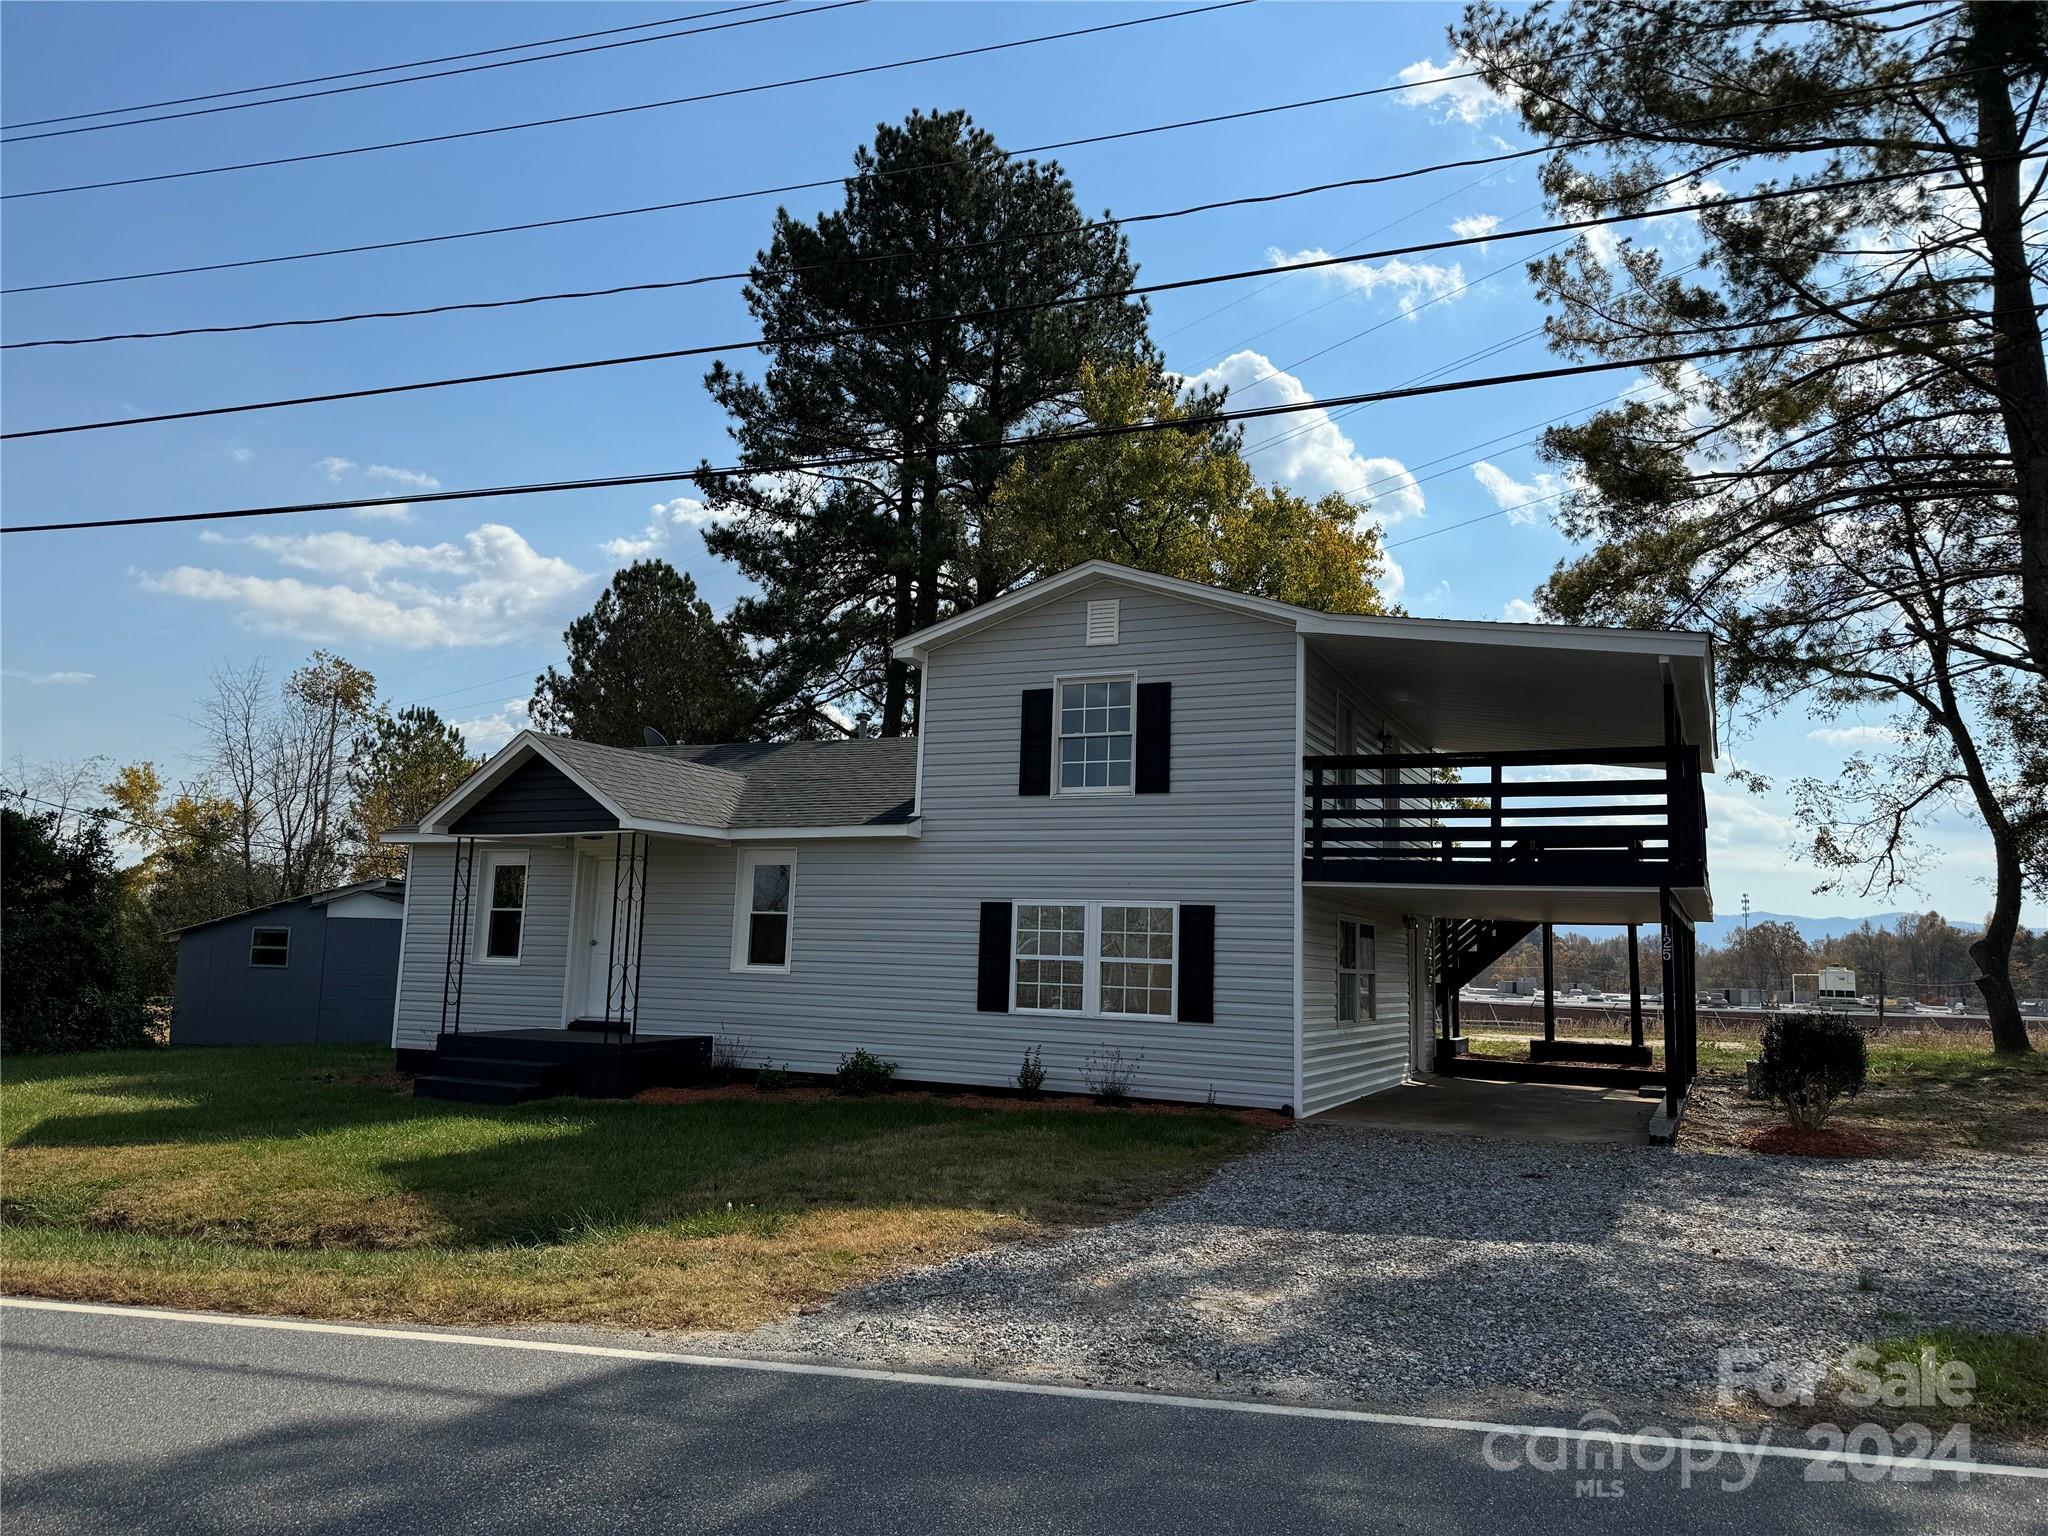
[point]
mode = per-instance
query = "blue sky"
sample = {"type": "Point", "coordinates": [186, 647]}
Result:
{"type": "Point", "coordinates": [106, 636]}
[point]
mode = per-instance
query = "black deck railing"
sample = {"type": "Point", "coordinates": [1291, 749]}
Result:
{"type": "Point", "coordinates": [1625, 816]}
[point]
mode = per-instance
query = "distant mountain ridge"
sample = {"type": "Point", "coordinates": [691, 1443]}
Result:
{"type": "Point", "coordinates": [1812, 929]}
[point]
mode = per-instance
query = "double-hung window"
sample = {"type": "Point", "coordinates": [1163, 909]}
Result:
{"type": "Point", "coordinates": [505, 917]}
{"type": "Point", "coordinates": [1051, 954]}
{"type": "Point", "coordinates": [270, 947]}
{"type": "Point", "coordinates": [1357, 992]}
{"type": "Point", "coordinates": [1094, 958]}
{"type": "Point", "coordinates": [762, 906]}
{"type": "Point", "coordinates": [1095, 735]}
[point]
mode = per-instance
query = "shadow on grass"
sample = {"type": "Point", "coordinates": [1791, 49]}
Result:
{"type": "Point", "coordinates": [305, 1148]}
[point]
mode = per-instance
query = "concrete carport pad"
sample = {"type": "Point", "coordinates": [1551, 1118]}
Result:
{"type": "Point", "coordinates": [1553, 1112]}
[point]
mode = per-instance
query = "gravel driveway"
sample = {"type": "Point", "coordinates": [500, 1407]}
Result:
{"type": "Point", "coordinates": [1348, 1264]}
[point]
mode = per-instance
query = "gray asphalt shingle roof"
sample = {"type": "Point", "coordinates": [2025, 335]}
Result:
{"type": "Point", "coordinates": [741, 785]}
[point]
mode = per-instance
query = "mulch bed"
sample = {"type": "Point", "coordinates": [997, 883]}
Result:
{"type": "Point", "coordinates": [1264, 1119]}
{"type": "Point", "coordinates": [1829, 1141]}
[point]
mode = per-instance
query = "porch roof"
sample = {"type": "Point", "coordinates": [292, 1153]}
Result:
{"type": "Point", "coordinates": [733, 790]}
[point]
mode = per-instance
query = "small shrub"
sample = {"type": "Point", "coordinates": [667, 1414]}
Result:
{"type": "Point", "coordinates": [771, 1078]}
{"type": "Point", "coordinates": [864, 1072]}
{"type": "Point", "coordinates": [1031, 1075]}
{"type": "Point", "coordinates": [1109, 1074]}
{"type": "Point", "coordinates": [1810, 1060]}
{"type": "Point", "coordinates": [728, 1053]}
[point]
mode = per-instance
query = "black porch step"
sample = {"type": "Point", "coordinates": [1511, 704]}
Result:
{"type": "Point", "coordinates": [1582, 1074]}
{"type": "Point", "coordinates": [477, 1090]}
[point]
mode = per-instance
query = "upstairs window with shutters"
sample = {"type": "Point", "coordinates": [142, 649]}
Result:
{"type": "Point", "coordinates": [1095, 735]}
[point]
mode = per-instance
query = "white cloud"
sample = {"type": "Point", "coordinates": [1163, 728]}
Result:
{"type": "Point", "coordinates": [663, 518]}
{"type": "Point", "coordinates": [1475, 226]}
{"type": "Point", "coordinates": [337, 469]}
{"type": "Point", "coordinates": [241, 455]}
{"type": "Point", "coordinates": [492, 585]}
{"type": "Point", "coordinates": [486, 733]}
{"type": "Point", "coordinates": [1520, 501]}
{"type": "Point", "coordinates": [1412, 281]}
{"type": "Point", "coordinates": [1519, 610]}
{"type": "Point", "coordinates": [1308, 452]}
{"type": "Point", "coordinates": [1748, 838]}
{"type": "Point", "coordinates": [414, 479]}
{"type": "Point", "coordinates": [1471, 101]}
{"type": "Point", "coordinates": [46, 679]}
{"type": "Point", "coordinates": [1855, 736]}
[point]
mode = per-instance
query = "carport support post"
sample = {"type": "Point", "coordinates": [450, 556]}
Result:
{"type": "Point", "coordinates": [1635, 989]}
{"type": "Point", "coordinates": [1674, 1086]}
{"type": "Point", "coordinates": [1549, 986]}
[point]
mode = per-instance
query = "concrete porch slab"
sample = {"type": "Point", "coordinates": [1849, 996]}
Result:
{"type": "Point", "coordinates": [1554, 1112]}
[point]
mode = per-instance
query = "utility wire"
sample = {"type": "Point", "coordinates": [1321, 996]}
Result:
{"type": "Point", "coordinates": [380, 69]}
{"type": "Point", "coordinates": [1249, 200]}
{"type": "Point", "coordinates": [841, 181]}
{"type": "Point", "coordinates": [645, 106]}
{"type": "Point", "coordinates": [1035, 306]}
{"type": "Point", "coordinates": [443, 74]}
{"type": "Point", "coordinates": [1034, 441]}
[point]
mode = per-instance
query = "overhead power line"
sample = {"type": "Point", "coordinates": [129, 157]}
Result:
{"type": "Point", "coordinates": [644, 106]}
{"type": "Point", "coordinates": [1249, 200]}
{"type": "Point", "coordinates": [842, 180]}
{"type": "Point", "coordinates": [1065, 301]}
{"type": "Point", "coordinates": [443, 74]}
{"type": "Point", "coordinates": [379, 69]}
{"type": "Point", "coordinates": [1037, 440]}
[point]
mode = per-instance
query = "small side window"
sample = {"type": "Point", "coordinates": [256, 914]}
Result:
{"type": "Point", "coordinates": [762, 909]}
{"type": "Point", "coordinates": [1357, 993]}
{"type": "Point", "coordinates": [505, 918]}
{"type": "Point", "coordinates": [270, 947]}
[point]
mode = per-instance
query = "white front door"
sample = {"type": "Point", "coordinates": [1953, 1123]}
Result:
{"type": "Point", "coordinates": [594, 936]}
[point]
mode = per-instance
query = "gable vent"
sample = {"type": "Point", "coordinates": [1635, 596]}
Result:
{"type": "Point", "coordinates": [1102, 621]}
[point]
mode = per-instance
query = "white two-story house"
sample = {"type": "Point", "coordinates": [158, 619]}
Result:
{"type": "Point", "coordinates": [1250, 847]}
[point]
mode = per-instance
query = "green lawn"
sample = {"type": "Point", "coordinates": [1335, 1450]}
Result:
{"type": "Point", "coordinates": [308, 1180]}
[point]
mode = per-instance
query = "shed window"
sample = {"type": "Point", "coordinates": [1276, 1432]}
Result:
{"type": "Point", "coordinates": [1357, 958]}
{"type": "Point", "coordinates": [270, 946]}
{"type": "Point", "coordinates": [1095, 735]}
{"type": "Point", "coordinates": [505, 922]}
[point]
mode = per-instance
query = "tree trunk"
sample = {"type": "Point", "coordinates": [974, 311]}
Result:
{"type": "Point", "coordinates": [1993, 952]}
{"type": "Point", "coordinates": [2017, 361]}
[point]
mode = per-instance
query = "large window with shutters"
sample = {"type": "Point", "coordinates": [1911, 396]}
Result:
{"type": "Point", "coordinates": [1100, 959]}
{"type": "Point", "coordinates": [1095, 735]}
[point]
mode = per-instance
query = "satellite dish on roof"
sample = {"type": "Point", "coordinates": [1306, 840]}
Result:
{"type": "Point", "coordinates": [652, 737]}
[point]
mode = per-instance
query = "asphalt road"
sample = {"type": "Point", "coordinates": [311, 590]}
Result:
{"type": "Point", "coordinates": [139, 1425]}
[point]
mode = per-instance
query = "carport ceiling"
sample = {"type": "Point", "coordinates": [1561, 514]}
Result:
{"type": "Point", "coordinates": [1502, 687]}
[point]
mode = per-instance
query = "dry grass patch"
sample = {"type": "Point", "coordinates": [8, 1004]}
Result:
{"type": "Point", "coordinates": [1919, 1101]}
{"type": "Point", "coordinates": [301, 1180]}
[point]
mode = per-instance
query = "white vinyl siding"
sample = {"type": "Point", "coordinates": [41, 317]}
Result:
{"type": "Point", "coordinates": [1342, 1060]}
{"type": "Point", "coordinates": [524, 996]}
{"type": "Point", "coordinates": [887, 933]}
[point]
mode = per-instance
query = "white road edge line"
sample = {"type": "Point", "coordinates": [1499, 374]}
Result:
{"type": "Point", "coordinates": [1728, 1446]}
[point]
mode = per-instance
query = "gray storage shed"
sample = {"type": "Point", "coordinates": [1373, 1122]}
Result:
{"type": "Point", "coordinates": [317, 969]}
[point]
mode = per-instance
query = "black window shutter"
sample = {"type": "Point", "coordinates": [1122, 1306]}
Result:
{"type": "Point", "coordinates": [1155, 738]}
{"type": "Point", "coordinates": [1034, 752]}
{"type": "Point", "coordinates": [992, 983]}
{"type": "Point", "coordinates": [1197, 965]}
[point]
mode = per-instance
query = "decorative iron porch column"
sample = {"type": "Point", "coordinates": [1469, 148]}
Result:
{"type": "Point", "coordinates": [628, 932]}
{"type": "Point", "coordinates": [458, 936]}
